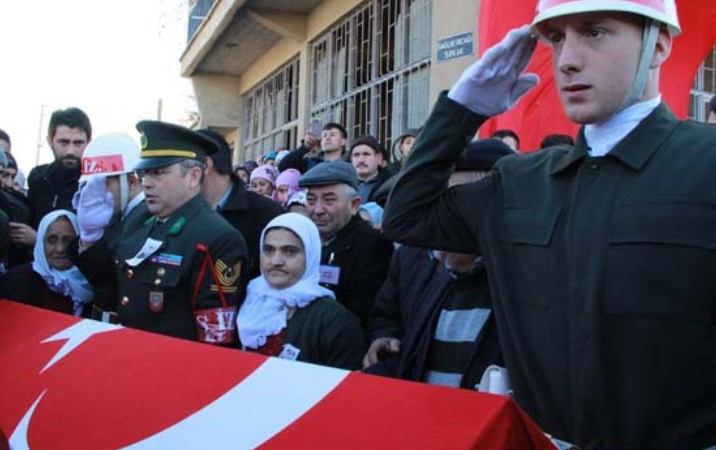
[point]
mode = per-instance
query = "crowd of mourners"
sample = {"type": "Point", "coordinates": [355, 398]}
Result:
{"type": "Point", "coordinates": [578, 279]}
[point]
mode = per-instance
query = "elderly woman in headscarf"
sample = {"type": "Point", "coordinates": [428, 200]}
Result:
{"type": "Point", "coordinates": [287, 313]}
{"type": "Point", "coordinates": [51, 281]}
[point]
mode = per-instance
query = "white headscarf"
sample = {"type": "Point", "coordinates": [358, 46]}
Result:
{"type": "Point", "coordinates": [68, 282]}
{"type": "Point", "coordinates": [264, 311]}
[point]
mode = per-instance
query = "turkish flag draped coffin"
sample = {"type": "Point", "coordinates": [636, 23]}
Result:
{"type": "Point", "coordinates": [68, 383]}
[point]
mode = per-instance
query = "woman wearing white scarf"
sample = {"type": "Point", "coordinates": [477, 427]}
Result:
{"type": "Point", "coordinates": [51, 281]}
{"type": "Point", "coordinates": [286, 312]}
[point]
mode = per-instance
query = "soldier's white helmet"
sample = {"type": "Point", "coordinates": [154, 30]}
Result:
{"type": "Point", "coordinates": [109, 154]}
{"type": "Point", "coordinates": [661, 11]}
{"type": "Point", "coordinates": [658, 13]}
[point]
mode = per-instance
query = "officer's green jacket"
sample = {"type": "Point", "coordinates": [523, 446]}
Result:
{"type": "Point", "coordinates": [602, 272]}
{"type": "Point", "coordinates": [156, 294]}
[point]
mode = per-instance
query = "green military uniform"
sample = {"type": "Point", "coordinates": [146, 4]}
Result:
{"type": "Point", "coordinates": [167, 269]}
{"type": "Point", "coordinates": [156, 294]}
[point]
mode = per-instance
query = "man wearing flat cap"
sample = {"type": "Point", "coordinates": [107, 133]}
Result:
{"type": "Point", "coordinates": [179, 272]}
{"type": "Point", "coordinates": [355, 257]}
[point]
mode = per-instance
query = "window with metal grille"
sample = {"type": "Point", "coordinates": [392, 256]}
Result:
{"type": "Point", "coordinates": [370, 71]}
{"type": "Point", "coordinates": [704, 88]}
{"type": "Point", "coordinates": [271, 113]}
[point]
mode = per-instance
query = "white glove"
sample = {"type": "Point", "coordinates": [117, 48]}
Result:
{"type": "Point", "coordinates": [95, 208]}
{"type": "Point", "coordinates": [495, 83]}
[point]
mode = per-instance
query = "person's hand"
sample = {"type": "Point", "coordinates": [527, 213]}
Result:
{"type": "Point", "coordinates": [95, 208]}
{"type": "Point", "coordinates": [311, 141]}
{"type": "Point", "coordinates": [23, 234]}
{"type": "Point", "coordinates": [495, 83]}
{"type": "Point", "coordinates": [379, 349]}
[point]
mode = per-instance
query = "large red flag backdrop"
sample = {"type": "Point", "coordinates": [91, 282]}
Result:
{"type": "Point", "coordinates": [540, 113]}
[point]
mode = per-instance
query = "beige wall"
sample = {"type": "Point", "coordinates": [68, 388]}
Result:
{"type": "Point", "coordinates": [325, 15]}
{"type": "Point", "coordinates": [449, 18]}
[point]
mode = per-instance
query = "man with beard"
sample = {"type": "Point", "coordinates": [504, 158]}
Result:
{"type": "Point", "coordinates": [51, 186]}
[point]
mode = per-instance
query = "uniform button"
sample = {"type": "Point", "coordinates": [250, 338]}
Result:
{"type": "Point", "coordinates": [130, 273]}
{"type": "Point", "coordinates": [125, 300]}
{"type": "Point", "coordinates": [158, 281]}
{"type": "Point", "coordinates": [161, 272]}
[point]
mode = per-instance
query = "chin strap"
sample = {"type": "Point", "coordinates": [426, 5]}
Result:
{"type": "Point", "coordinates": [649, 37]}
{"type": "Point", "coordinates": [123, 192]}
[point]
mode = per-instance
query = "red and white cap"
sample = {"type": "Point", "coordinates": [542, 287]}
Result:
{"type": "Point", "coordinates": [661, 11]}
{"type": "Point", "coordinates": [110, 154]}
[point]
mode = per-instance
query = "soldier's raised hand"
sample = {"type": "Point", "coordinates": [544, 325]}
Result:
{"type": "Point", "coordinates": [95, 207]}
{"type": "Point", "coordinates": [495, 83]}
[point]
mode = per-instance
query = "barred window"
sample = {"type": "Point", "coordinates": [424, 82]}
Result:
{"type": "Point", "coordinates": [271, 113]}
{"type": "Point", "coordinates": [370, 71]}
{"type": "Point", "coordinates": [704, 88]}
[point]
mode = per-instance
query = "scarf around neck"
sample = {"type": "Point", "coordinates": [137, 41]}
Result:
{"type": "Point", "coordinates": [264, 312]}
{"type": "Point", "coordinates": [70, 282]}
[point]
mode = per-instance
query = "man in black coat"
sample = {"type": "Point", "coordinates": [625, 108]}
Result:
{"type": "Point", "coordinates": [110, 202]}
{"type": "Point", "coordinates": [51, 186]}
{"type": "Point", "coordinates": [600, 257]}
{"type": "Point", "coordinates": [246, 211]}
{"type": "Point", "coordinates": [432, 320]}
{"type": "Point", "coordinates": [355, 257]}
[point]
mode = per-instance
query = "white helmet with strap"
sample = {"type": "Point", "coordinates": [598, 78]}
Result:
{"type": "Point", "coordinates": [662, 11]}
{"type": "Point", "coordinates": [111, 154]}
{"type": "Point", "coordinates": [658, 13]}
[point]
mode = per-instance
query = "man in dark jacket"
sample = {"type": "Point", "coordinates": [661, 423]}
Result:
{"type": "Point", "coordinates": [246, 211]}
{"type": "Point", "coordinates": [600, 257]}
{"type": "Point", "coordinates": [434, 309]}
{"type": "Point", "coordinates": [15, 206]}
{"type": "Point", "coordinates": [110, 202]}
{"type": "Point", "coordinates": [51, 186]}
{"type": "Point", "coordinates": [369, 158]}
{"type": "Point", "coordinates": [329, 146]}
{"type": "Point", "coordinates": [355, 257]}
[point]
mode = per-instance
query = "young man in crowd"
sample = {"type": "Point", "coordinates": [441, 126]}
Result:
{"type": "Point", "coordinates": [331, 143]}
{"type": "Point", "coordinates": [600, 258]}
{"type": "Point", "coordinates": [369, 159]}
{"type": "Point", "coordinates": [110, 202]}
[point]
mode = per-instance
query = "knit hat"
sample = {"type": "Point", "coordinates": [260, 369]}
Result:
{"type": "Point", "coordinates": [371, 142]}
{"type": "Point", "coordinates": [267, 172]}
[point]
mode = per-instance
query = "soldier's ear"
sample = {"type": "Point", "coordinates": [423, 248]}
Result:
{"type": "Point", "coordinates": [208, 165]}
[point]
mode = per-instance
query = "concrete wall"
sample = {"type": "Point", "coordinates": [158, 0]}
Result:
{"type": "Point", "coordinates": [450, 18]}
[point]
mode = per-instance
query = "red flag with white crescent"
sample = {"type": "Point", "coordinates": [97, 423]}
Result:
{"type": "Point", "coordinates": [68, 383]}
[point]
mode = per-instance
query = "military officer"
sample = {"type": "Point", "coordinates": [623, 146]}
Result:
{"type": "Point", "coordinates": [179, 272]}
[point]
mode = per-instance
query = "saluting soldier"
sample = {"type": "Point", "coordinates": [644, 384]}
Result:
{"type": "Point", "coordinates": [179, 272]}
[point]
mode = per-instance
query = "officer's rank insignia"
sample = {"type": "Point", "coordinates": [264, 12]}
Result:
{"type": "Point", "coordinates": [227, 275]}
{"type": "Point", "coordinates": [156, 301]}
